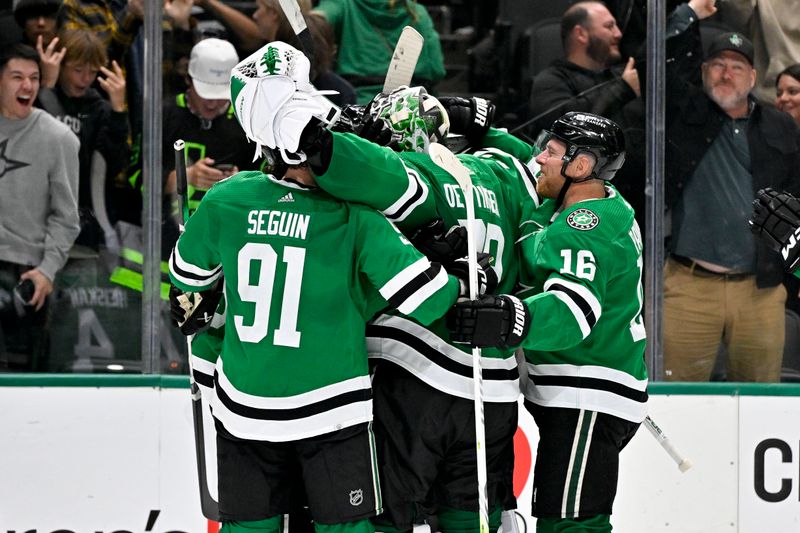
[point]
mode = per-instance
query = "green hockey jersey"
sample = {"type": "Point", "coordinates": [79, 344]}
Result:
{"type": "Point", "coordinates": [585, 348]}
{"type": "Point", "coordinates": [303, 273]}
{"type": "Point", "coordinates": [411, 190]}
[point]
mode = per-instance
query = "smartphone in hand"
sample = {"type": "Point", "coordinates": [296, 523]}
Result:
{"type": "Point", "coordinates": [24, 291]}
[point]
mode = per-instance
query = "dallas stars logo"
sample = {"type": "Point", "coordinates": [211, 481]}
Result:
{"type": "Point", "coordinates": [270, 60]}
{"type": "Point", "coordinates": [7, 165]}
{"type": "Point", "coordinates": [583, 219]}
{"type": "Point", "coordinates": [736, 40]}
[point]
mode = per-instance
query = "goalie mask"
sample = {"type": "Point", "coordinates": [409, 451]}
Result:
{"type": "Point", "coordinates": [273, 100]}
{"type": "Point", "coordinates": [415, 118]}
{"type": "Point", "coordinates": [588, 133]}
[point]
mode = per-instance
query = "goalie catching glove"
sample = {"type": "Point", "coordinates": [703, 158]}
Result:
{"type": "Point", "coordinates": [471, 117]}
{"type": "Point", "coordinates": [274, 101]}
{"type": "Point", "coordinates": [489, 322]}
{"type": "Point", "coordinates": [776, 219]}
{"type": "Point", "coordinates": [192, 312]}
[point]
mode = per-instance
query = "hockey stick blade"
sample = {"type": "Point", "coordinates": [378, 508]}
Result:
{"type": "Point", "coordinates": [295, 17]}
{"type": "Point", "coordinates": [404, 59]}
{"type": "Point", "coordinates": [208, 505]}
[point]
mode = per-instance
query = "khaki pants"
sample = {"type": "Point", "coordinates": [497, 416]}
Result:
{"type": "Point", "coordinates": [700, 310]}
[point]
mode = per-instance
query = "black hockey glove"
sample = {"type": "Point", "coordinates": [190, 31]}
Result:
{"type": "Point", "coordinates": [490, 322]}
{"type": "Point", "coordinates": [350, 119]}
{"type": "Point", "coordinates": [438, 244]}
{"type": "Point", "coordinates": [776, 219]}
{"type": "Point", "coordinates": [316, 142]}
{"type": "Point", "coordinates": [487, 278]}
{"type": "Point", "coordinates": [376, 130]}
{"type": "Point", "coordinates": [192, 312]}
{"type": "Point", "coordinates": [469, 117]}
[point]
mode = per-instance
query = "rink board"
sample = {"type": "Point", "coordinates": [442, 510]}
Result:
{"type": "Point", "coordinates": [112, 454]}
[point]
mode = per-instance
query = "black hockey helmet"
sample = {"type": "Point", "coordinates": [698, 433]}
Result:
{"type": "Point", "coordinates": [586, 132]}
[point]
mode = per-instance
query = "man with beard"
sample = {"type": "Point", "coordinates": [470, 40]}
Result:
{"type": "Point", "coordinates": [722, 146]}
{"type": "Point", "coordinates": [591, 78]}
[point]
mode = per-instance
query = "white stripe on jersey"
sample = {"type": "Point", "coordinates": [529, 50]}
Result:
{"type": "Point", "coordinates": [592, 399]}
{"type": "Point", "coordinates": [203, 366]}
{"type": "Point", "coordinates": [589, 371]}
{"type": "Point", "coordinates": [338, 417]}
{"type": "Point", "coordinates": [204, 277]}
{"type": "Point", "coordinates": [416, 362]}
{"type": "Point", "coordinates": [420, 296]}
{"type": "Point", "coordinates": [397, 212]}
{"type": "Point", "coordinates": [586, 298]}
{"type": "Point", "coordinates": [404, 277]}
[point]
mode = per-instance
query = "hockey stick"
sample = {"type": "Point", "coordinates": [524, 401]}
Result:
{"type": "Point", "coordinates": [404, 59]}
{"type": "Point", "coordinates": [683, 463]}
{"type": "Point", "coordinates": [294, 15]}
{"type": "Point", "coordinates": [448, 161]}
{"type": "Point", "coordinates": [208, 505]}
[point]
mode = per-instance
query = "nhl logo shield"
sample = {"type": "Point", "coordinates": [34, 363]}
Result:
{"type": "Point", "coordinates": [356, 497]}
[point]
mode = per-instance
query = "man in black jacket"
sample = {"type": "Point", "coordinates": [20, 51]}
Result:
{"type": "Point", "coordinates": [592, 78]}
{"type": "Point", "coordinates": [722, 146]}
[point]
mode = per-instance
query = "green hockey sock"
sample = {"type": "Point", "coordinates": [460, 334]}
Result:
{"type": "Point", "coordinates": [600, 523]}
{"type": "Point", "coordinates": [358, 526]}
{"type": "Point", "coordinates": [268, 525]}
{"type": "Point", "coordinates": [458, 521]}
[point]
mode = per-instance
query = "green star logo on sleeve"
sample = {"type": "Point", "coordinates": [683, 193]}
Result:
{"type": "Point", "coordinates": [583, 219]}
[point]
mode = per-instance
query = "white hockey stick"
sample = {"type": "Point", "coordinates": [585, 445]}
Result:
{"type": "Point", "coordinates": [208, 505]}
{"type": "Point", "coordinates": [447, 160]}
{"type": "Point", "coordinates": [294, 15]}
{"type": "Point", "coordinates": [683, 463]}
{"type": "Point", "coordinates": [404, 59]}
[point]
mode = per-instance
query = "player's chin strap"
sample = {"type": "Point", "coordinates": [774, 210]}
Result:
{"type": "Point", "coordinates": [569, 181]}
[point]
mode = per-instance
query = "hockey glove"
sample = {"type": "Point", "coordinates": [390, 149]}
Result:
{"type": "Point", "coordinates": [438, 245]}
{"type": "Point", "coordinates": [377, 131]}
{"type": "Point", "coordinates": [490, 322]}
{"type": "Point", "coordinates": [487, 278]}
{"type": "Point", "coordinates": [192, 312]}
{"type": "Point", "coordinates": [350, 119]}
{"type": "Point", "coordinates": [776, 219]}
{"type": "Point", "coordinates": [469, 117]}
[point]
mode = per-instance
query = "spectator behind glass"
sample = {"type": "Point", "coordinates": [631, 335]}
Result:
{"type": "Point", "coordinates": [787, 87]}
{"type": "Point", "coordinates": [216, 146]}
{"type": "Point", "coordinates": [100, 124]}
{"type": "Point", "coordinates": [774, 29]}
{"type": "Point", "coordinates": [37, 18]}
{"type": "Point", "coordinates": [591, 78]}
{"type": "Point", "coordinates": [366, 32]}
{"type": "Point", "coordinates": [38, 207]}
{"type": "Point", "coordinates": [116, 28]}
{"type": "Point", "coordinates": [720, 285]}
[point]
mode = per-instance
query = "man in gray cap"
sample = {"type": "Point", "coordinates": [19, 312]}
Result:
{"type": "Point", "coordinates": [722, 146]}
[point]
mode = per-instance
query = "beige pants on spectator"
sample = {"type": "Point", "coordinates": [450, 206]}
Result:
{"type": "Point", "coordinates": [702, 310]}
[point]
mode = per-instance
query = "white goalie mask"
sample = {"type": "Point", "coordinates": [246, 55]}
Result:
{"type": "Point", "coordinates": [415, 117]}
{"type": "Point", "coordinates": [274, 100]}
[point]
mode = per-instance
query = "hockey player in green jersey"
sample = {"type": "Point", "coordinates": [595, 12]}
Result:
{"type": "Point", "coordinates": [423, 386]}
{"type": "Point", "coordinates": [303, 273]}
{"type": "Point", "coordinates": [587, 387]}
